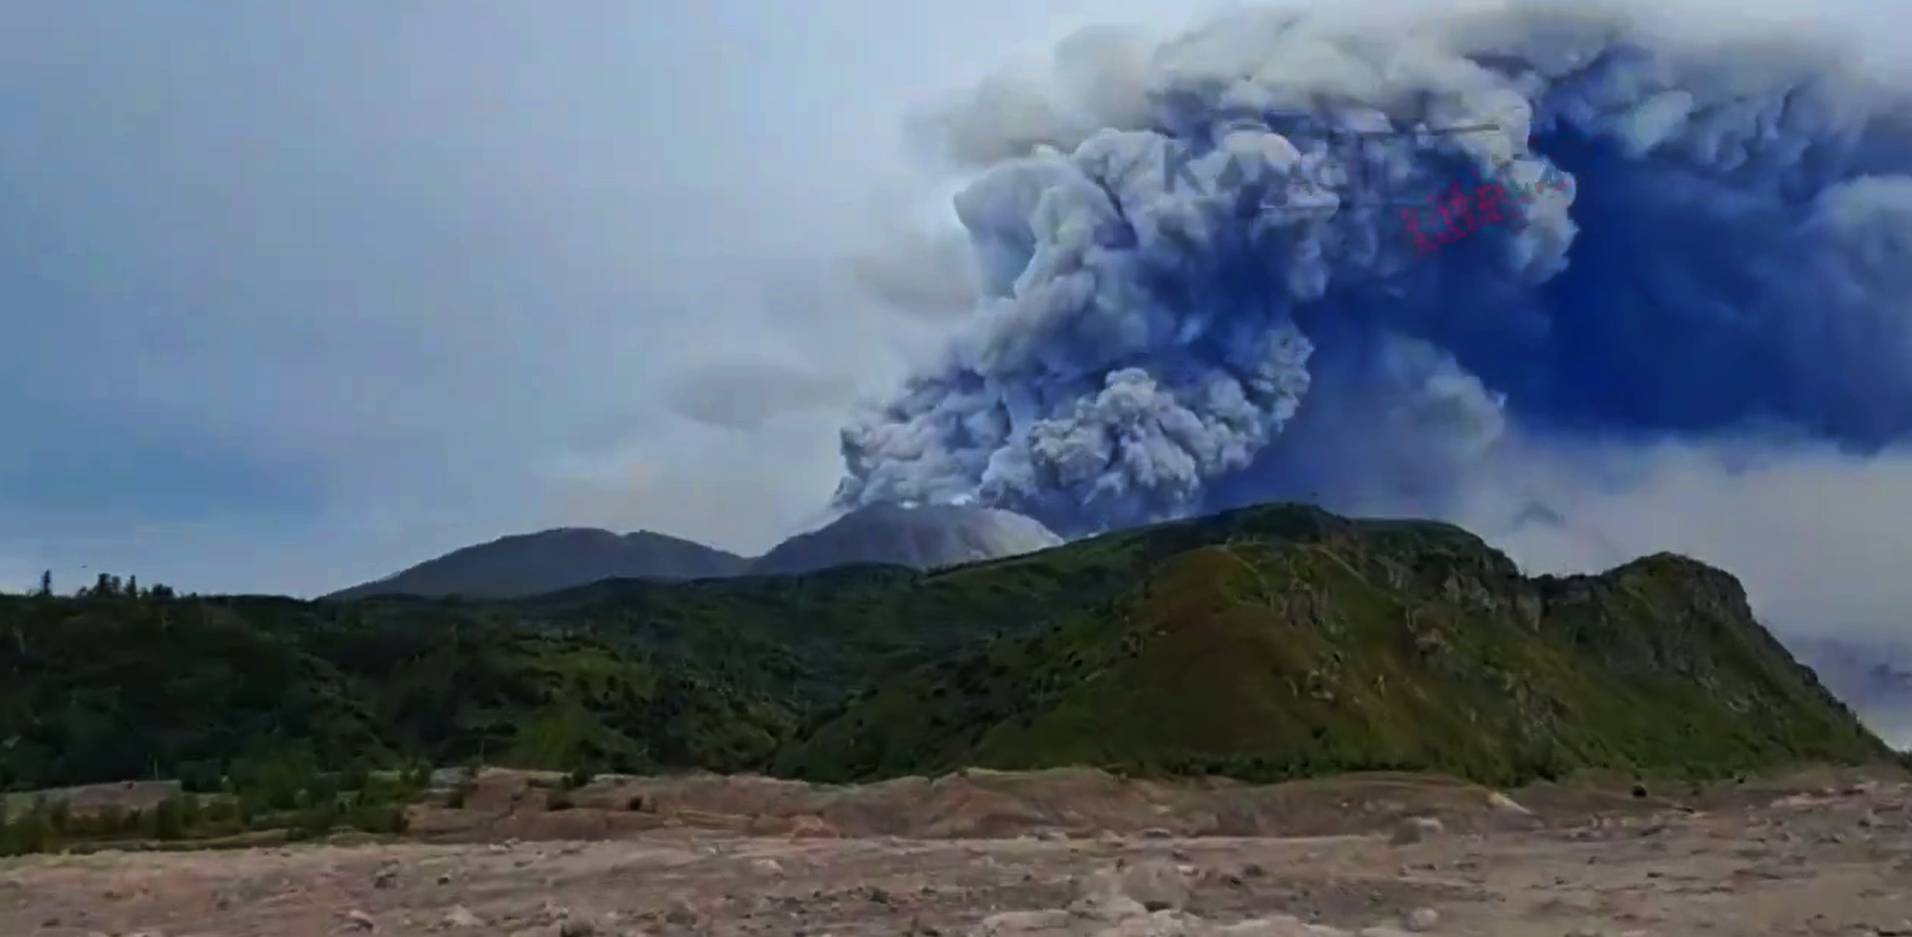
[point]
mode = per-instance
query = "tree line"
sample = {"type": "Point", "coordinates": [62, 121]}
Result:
{"type": "Point", "coordinates": [108, 586]}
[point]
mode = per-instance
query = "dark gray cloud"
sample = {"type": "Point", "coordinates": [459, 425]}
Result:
{"type": "Point", "coordinates": [1179, 316]}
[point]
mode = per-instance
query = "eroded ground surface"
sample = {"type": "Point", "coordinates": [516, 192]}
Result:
{"type": "Point", "coordinates": [1054, 853]}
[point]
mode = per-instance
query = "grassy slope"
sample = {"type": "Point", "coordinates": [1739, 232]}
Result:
{"type": "Point", "coordinates": [1265, 642]}
{"type": "Point", "coordinates": [1411, 647]}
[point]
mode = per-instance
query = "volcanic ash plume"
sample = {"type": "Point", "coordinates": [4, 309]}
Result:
{"type": "Point", "coordinates": [1275, 252]}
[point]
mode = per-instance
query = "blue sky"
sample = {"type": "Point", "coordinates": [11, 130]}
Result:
{"type": "Point", "coordinates": [292, 295]}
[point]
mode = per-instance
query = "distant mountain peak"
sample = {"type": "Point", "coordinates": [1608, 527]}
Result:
{"type": "Point", "coordinates": [549, 560]}
{"type": "Point", "coordinates": [924, 537]}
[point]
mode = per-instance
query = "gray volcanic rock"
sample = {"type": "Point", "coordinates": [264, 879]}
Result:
{"type": "Point", "coordinates": [923, 537]}
{"type": "Point", "coordinates": [531, 564]}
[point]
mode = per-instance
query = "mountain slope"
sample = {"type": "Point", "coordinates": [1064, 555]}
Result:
{"type": "Point", "coordinates": [1363, 645]}
{"type": "Point", "coordinates": [926, 537]}
{"type": "Point", "coordinates": [530, 564]}
{"type": "Point", "coordinates": [1266, 642]}
{"type": "Point", "coordinates": [1875, 677]}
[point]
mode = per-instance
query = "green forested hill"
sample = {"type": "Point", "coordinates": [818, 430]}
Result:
{"type": "Point", "coordinates": [1264, 642]}
{"type": "Point", "coordinates": [1279, 660]}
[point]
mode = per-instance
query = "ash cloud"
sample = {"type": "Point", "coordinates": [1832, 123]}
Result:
{"type": "Point", "coordinates": [925, 275]}
{"type": "Point", "coordinates": [1187, 302]}
{"type": "Point", "coordinates": [745, 394]}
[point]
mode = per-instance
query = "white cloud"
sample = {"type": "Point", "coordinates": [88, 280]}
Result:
{"type": "Point", "coordinates": [1819, 537]}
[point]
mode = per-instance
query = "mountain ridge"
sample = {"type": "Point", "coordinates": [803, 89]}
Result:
{"type": "Point", "coordinates": [1539, 676]}
{"type": "Point", "coordinates": [560, 557]}
{"type": "Point", "coordinates": [526, 565]}
{"type": "Point", "coordinates": [1264, 643]}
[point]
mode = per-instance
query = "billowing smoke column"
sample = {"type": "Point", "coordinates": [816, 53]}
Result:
{"type": "Point", "coordinates": [1274, 258]}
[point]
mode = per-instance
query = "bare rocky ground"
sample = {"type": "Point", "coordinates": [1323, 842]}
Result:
{"type": "Point", "coordinates": [1049, 853]}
